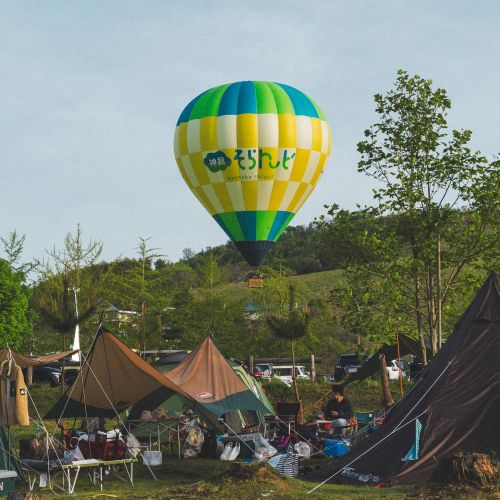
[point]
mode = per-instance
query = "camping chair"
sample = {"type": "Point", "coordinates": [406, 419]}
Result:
{"type": "Point", "coordinates": [288, 413]}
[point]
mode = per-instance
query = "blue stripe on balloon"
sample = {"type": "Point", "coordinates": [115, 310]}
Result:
{"type": "Point", "coordinates": [187, 110]}
{"type": "Point", "coordinates": [279, 221]}
{"type": "Point", "coordinates": [248, 223]}
{"type": "Point", "coordinates": [220, 221]}
{"type": "Point", "coordinates": [247, 98]}
{"type": "Point", "coordinates": [229, 102]}
{"type": "Point", "coordinates": [301, 103]}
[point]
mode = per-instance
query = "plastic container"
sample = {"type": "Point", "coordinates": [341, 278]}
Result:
{"type": "Point", "coordinates": [152, 458]}
{"type": "Point", "coordinates": [7, 482]}
{"type": "Point", "coordinates": [335, 447]}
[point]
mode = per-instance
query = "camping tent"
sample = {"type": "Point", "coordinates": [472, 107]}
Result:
{"type": "Point", "coordinates": [209, 380]}
{"type": "Point", "coordinates": [372, 365]}
{"type": "Point", "coordinates": [177, 403]}
{"type": "Point", "coordinates": [112, 379]}
{"type": "Point", "coordinates": [453, 406]}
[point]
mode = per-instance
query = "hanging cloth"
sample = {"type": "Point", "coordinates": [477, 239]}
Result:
{"type": "Point", "coordinates": [413, 452]}
{"type": "Point", "coordinates": [14, 395]}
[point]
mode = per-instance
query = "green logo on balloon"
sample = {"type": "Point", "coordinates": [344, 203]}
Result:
{"type": "Point", "coordinates": [217, 162]}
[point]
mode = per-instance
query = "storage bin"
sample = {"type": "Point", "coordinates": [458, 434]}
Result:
{"type": "Point", "coordinates": [7, 482]}
{"type": "Point", "coordinates": [335, 447]}
{"type": "Point", "coordinates": [152, 458]}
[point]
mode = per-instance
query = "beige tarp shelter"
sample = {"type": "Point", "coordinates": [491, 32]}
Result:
{"type": "Point", "coordinates": [25, 361]}
{"type": "Point", "coordinates": [112, 378]}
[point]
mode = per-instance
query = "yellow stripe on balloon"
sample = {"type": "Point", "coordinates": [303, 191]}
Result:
{"type": "Point", "coordinates": [307, 192]}
{"type": "Point", "coordinates": [183, 147]}
{"type": "Point", "coordinates": [279, 188]}
{"type": "Point", "coordinates": [319, 169]}
{"type": "Point", "coordinates": [199, 168]}
{"type": "Point", "coordinates": [204, 199]}
{"type": "Point", "coordinates": [299, 191]}
{"type": "Point", "coordinates": [287, 131]}
{"type": "Point", "coordinates": [208, 133]}
{"type": "Point", "coordinates": [247, 130]}
{"type": "Point", "coordinates": [317, 134]}
{"type": "Point", "coordinates": [249, 190]}
{"type": "Point", "coordinates": [300, 164]}
{"type": "Point", "coordinates": [212, 197]}
{"type": "Point", "coordinates": [187, 171]}
{"type": "Point", "coordinates": [223, 197]}
{"type": "Point", "coordinates": [288, 196]}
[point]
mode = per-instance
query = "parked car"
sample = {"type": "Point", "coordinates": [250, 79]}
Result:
{"type": "Point", "coordinates": [394, 367]}
{"type": "Point", "coordinates": [46, 375]}
{"type": "Point", "coordinates": [284, 373]}
{"type": "Point", "coordinates": [263, 370]}
{"type": "Point", "coordinates": [346, 364]}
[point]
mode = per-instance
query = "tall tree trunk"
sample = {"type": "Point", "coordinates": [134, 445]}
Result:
{"type": "Point", "coordinates": [384, 378]}
{"type": "Point", "coordinates": [421, 335]}
{"type": "Point", "coordinates": [431, 310]}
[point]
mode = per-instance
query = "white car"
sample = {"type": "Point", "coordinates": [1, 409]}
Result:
{"type": "Point", "coordinates": [284, 373]}
{"type": "Point", "coordinates": [394, 368]}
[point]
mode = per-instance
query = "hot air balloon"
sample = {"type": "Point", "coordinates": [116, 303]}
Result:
{"type": "Point", "coordinates": [252, 152]}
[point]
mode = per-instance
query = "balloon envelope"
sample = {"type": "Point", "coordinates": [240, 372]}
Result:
{"type": "Point", "coordinates": [252, 152]}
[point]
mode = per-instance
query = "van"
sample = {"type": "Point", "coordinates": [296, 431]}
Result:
{"type": "Point", "coordinates": [284, 373]}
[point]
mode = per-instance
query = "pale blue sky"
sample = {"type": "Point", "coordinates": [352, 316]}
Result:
{"type": "Point", "coordinates": [91, 91]}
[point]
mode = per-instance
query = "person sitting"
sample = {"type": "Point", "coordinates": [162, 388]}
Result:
{"type": "Point", "coordinates": [339, 409]}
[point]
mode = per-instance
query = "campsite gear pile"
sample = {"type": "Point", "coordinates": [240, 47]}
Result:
{"type": "Point", "coordinates": [102, 445]}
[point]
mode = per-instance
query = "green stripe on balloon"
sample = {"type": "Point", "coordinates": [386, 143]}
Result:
{"type": "Point", "coordinates": [255, 225]}
{"type": "Point", "coordinates": [265, 219]}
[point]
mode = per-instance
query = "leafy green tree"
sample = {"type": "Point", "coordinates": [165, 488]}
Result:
{"type": "Point", "coordinates": [436, 206]}
{"type": "Point", "coordinates": [15, 326]}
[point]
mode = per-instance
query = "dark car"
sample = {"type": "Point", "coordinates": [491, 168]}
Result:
{"type": "Point", "coordinates": [346, 364]}
{"type": "Point", "coordinates": [46, 375]}
{"type": "Point", "coordinates": [52, 374]}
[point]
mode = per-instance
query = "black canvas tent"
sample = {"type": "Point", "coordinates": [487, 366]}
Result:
{"type": "Point", "coordinates": [456, 399]}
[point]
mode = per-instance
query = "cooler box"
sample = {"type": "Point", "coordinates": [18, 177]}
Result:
{"type": "Point", "coordinates": [335, 447]}
{"type": "Point", "coordinates": [152, 458]}
{"type": "Point", "coordinates": [7, 481]}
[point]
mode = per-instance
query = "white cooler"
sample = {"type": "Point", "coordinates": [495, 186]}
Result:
{"type": "Point", "coordinates": [152, 458]}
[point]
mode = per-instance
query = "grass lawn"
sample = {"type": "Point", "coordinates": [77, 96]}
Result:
{"type": "Point", "coordinates": [199, 478]}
